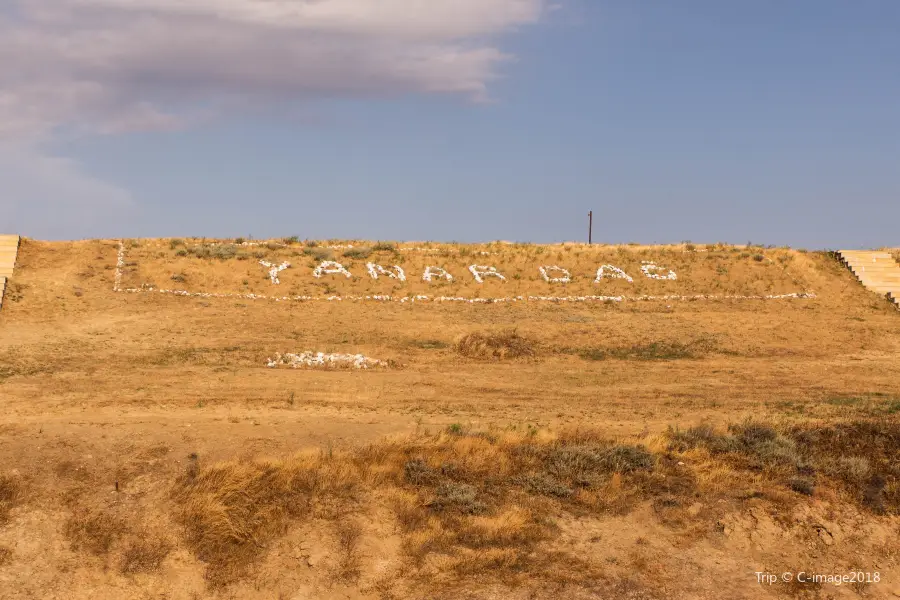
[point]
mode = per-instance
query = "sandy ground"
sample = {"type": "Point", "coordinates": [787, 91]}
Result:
{"type": "Point", "coordinates": [102, 389]}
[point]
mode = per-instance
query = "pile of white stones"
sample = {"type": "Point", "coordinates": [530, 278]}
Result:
{"type": "Point", "coordinates": [321, 359]}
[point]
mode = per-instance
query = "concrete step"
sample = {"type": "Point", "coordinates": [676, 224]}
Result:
{"type": "Point", "coordinates": [876, 273]}
{"type": "Point", "coordinates": [874, 265]}
{"type": "Point", "coordinates": [9, 248]}
{"type": "Point", "coordinates": [879, 280]}
{"type": "Point", "coordinates": [876, 270]}
{"type": "Point", "coordinates": [864, 253]}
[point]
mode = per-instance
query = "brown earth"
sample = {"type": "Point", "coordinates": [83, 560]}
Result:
{"type": "Point", "coordinates": [119, 406]}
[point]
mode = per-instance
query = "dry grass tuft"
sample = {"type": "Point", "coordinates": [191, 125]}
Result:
{"type": "Point", "coordinates": [495, 345]}
{"type": "Point", "coordinates": [5, 555]}
{"type": "Point", "coordinates": [348, 567]}
{"type": "Point", "coordinates": [230, 511]}
{"type": "Point", "coordinates": [144, 554]}
{"type": "Point", "coordinates": [95, 530]}
{"type": "Point", "coordinates": [11, 492]}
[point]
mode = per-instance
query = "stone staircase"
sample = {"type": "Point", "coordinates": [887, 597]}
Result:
{"type": "Point", "coordinates": [877, 271]}
{"type": "Point", "coordinates": [9, 248]}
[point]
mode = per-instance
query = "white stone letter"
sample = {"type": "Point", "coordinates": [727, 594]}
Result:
{"type": "Point", "coordinates": [394, 272]}
{"type": "Point", "coordinates": [275, 270]}
{"type": "Point", "coordinates": [566, 276]}
{"type": "Point", "coordinates": [652, 271]}
{"type": "Point", "coordinates": [479, 271]}
{"type": "Point", "coordinates": [432, 272]}
{"type": "Point", "coordinates": [330, 267]}
{"type": "Point", "coordinates": [611, 272]}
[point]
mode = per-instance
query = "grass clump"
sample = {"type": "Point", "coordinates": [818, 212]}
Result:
{"type": "Point", "coordinates": [543, 484]}
{"type": "Point", "coordinates": [144, 554]}
{"type": "Point", "coordinates": [495, 345]}
{"type": "Point", "coordinates": [11, 493]}
{"type": "Point", "coordinates": [461, 497]}
{"type": "Point", "coordinates": [757, 445]}
{"type": "Point", "coordinates": [587, 464]}
{"type": "Point", "coordinates": [95, 530]}
{"type": "Point", "coordinates": [359, 252]}
{"type": "Point", "coordinates": [384, 247]}
{"type": "Point", "coordinates": [429, 344]}
{"type": "Point", "coordinates": [318, 253]}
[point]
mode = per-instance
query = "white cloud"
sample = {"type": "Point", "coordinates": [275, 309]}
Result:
{"type": "Point", "coordinates": [115, 65]}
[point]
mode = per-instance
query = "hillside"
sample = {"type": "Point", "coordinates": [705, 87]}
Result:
{"type": "Point", "coordinates": [149, 411]}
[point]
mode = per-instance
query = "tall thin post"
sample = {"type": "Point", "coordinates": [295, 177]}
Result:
{"type": "Point", "coordinates": [590, 225]}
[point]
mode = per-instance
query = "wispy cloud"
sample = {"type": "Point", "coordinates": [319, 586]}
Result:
{"type": "Point", "coordinates": [120, 65]}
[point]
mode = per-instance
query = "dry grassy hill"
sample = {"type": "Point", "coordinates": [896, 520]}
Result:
{"type": "Point", "coordinates": [653, 438]}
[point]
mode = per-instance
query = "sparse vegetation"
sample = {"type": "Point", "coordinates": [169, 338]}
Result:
{"type": "Point", "coordinates": [860, 455]}
{"type": "Point", "coordinates": [662, 350]}
{"type": "Point", "coordinates": [459, 491]}
{"type": "Point", "coordinates": [209, 251]}
{"type": "Point", "coordinates": [359, 252]}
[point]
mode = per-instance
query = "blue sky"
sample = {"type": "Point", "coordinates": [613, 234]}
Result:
{"type": "Point", "coordinates": [764, 121]}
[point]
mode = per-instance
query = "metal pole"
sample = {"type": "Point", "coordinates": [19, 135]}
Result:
{"type": "Point", "coordinates": [590, 225]}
